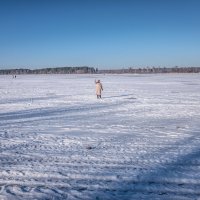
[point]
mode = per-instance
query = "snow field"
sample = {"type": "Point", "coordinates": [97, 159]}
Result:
{"type": "Point", "coordinates": [140, 141]}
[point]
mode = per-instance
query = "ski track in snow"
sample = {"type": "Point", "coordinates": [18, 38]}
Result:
{"type": "Point", "coordinates": [141, 141]}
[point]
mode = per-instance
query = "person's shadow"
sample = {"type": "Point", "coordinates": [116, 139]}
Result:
{"type": "Point", "coordinates": [124, 95]}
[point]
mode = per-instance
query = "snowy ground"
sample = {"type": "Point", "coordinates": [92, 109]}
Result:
{"type": "Point", "coordinates": [141, 141]}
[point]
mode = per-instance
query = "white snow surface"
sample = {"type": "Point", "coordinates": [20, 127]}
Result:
{"type": "Point", "coordinates": [140, 141]}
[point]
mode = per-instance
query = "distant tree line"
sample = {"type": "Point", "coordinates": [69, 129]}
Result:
{"type": "Point", "coordinates": [57, 70]}
{"type": "Point", "coordinates": [91, 70]}
{"type": "Point", "coordinates": [153, 70]}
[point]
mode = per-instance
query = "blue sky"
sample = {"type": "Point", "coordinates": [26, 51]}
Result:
{"type": "Point", "coordinates": [99, 33]}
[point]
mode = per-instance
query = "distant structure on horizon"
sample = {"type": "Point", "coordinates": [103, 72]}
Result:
{"type": "Point", "coordinates": [91, 70]}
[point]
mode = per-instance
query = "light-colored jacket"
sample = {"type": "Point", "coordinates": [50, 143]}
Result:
{"type": "Point", "coordinates": [99, 88]}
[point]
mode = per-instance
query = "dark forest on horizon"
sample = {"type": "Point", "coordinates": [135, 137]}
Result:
{"type": "Point", "coordinates": [92, 70]}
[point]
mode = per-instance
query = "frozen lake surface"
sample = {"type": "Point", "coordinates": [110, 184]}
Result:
{"type": "Point", "coordinates": [141, 141]}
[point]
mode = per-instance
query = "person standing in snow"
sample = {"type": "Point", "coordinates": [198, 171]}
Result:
{"type": "Point", "coordinates": [99, 88]}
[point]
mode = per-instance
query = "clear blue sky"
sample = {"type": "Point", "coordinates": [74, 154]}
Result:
{"type": "Point", "coordinates": [99, 33]}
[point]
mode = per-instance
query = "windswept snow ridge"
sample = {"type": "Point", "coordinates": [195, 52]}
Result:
{"type": "Point", "coordinates": [140, 141]}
